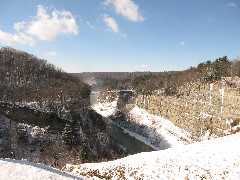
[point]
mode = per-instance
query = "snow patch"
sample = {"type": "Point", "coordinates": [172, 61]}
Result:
{"type": "Point", "coordinates": [22, 169]}
{"type": "Point", "coordinates": [105, 109]}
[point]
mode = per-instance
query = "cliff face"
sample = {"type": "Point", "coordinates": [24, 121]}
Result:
{"type": "Point", "coordinates": [205, 107]}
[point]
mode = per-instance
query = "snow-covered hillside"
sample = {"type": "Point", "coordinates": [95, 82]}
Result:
{"type": "Point", "coordinates": [209, 159]}
{"type": "Point", "coordinates": [21, 170]}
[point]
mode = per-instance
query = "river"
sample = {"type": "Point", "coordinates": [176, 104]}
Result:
{"type": "Point", "coordinates": [130, 144]}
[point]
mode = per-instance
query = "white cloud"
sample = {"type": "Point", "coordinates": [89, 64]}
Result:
{"type": "Point", "coordinates": [19, 38]}
{"type": "Point", "coordinates": [19, 25]}
{"type": "Point", "coordinates": [126, 8]}
{"type": "Point", "coordinates": [47, 27]}
{"type": "Point", "coordinates": [111, 23]}
{"type": "Point", "coordinates": [182, 43]}
{"type": "Point", "coordinates": [43, 26]}
{"type": "Point", "coordinates": [232, 4]}
{"type": "Point", "coordinates": [51, 53]}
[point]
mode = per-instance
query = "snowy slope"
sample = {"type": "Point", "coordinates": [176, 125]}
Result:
{"type": "Point", "coordinates": [161, 128]}
{"type": "Point", "coordinates": [21, 169]}
{"type": "Point", "coordinates": [155, 131]}
{"type": "Point", "coordinates": [210, 159]}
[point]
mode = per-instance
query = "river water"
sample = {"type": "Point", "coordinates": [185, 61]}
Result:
{"type": "Point", "coordinates": [130, 144]}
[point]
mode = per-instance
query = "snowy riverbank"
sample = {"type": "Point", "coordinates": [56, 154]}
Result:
{"type": "Point", "coordinates": [154, 131]}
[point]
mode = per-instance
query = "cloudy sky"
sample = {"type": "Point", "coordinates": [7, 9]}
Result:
{"type": "Point", "coordinates": [122, 35]}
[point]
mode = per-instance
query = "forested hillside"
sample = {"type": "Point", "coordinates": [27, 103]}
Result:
{"type": "Point", "coordinates": [172, 82]}
{"type": "Point", "coordinates": [25, 78]}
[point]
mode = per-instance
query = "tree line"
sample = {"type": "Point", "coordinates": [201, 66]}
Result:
{"type": "Point", "coordinates": [170, 81]}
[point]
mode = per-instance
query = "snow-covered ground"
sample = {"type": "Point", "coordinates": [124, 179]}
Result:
{"type": "Point", "coordinates": [105, 109]}
{"type": "Point", "coordinates": [155, 131]}
{"type": "Point", "coordinates": [21, 170]}
{"type": "Point", "coordinates": [210, 159]}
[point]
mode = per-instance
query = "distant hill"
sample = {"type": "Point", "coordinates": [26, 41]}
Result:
{"type": "Point", "coordinates": [170, 81]}
{"type": "Point", "coordinates": [105, 80]}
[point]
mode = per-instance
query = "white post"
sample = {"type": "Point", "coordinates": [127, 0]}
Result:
{"type": "Point", "coordinates": [210, 97]}
{"type": "Point", "coordinates": [222, 94]}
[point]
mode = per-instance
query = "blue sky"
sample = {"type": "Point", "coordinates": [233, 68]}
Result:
{"type": "Point", "coordinates": [122, 35]}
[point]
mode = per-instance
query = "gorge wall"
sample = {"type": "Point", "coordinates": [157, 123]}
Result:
{"type": "Point", "coordinates": [203, 109]}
